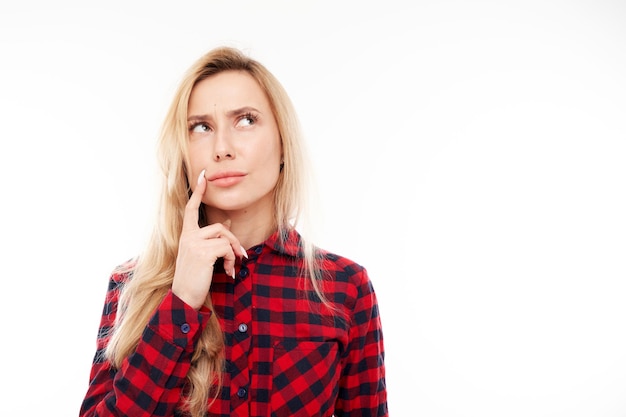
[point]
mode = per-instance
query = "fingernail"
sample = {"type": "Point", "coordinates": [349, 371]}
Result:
{"type": "Point", "coordinates": [233, 273]}
{"type": "Point", "coordinates": [245, 254]}
{"type": "Point", "coordinates": [201, 176]}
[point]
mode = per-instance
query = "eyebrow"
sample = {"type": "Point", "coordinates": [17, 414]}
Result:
{"type": "Point", "coordinates": [230, 113]}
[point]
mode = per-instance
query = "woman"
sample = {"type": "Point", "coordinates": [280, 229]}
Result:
{"type": "Point", "coordinates": [229, 311]}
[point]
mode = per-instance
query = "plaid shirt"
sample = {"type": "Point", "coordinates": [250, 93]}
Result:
{"type": "Point", "coordinates": [286, 354]}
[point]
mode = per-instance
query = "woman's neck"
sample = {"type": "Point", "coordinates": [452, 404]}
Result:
{"type": "Point", "coordinates": [251, 228]}
{"type": "Point", "coordinates": [250, 233]}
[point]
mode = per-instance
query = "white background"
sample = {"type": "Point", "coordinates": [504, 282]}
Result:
{"type": "Point", "coordinates": [469, 153]}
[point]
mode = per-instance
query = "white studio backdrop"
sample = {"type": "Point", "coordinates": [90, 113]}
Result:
{"type": "Point", "coordinates": [469, 153]}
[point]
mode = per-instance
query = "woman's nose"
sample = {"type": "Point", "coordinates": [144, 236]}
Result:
{"type": "Point", "coordinates": [223, 154]}
{"type": "Point", "coordinates": [223, 147]}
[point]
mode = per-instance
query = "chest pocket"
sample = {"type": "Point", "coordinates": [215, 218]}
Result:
{"type": "Point", "coordinates": [305, 377]}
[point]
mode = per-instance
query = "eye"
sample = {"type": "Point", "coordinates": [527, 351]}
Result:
{"type": "Point", "coordinates": [199, 127]}
{"type": "Point", "coordinates": [247, 119]}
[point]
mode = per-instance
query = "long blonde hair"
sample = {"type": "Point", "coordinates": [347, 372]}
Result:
{"type": "Point", "coordinates": [153, 272]}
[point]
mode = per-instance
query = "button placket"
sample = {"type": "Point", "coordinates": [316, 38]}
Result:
{"type": "Point", "coordinates": [240, 336]}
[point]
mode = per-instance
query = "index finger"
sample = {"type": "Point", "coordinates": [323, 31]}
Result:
{"type": "Point", "coordinates": [190, 219]}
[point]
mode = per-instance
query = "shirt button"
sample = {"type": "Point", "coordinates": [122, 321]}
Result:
{"type": "Point", "coordinates": [243, 327]}
{"type": "Point", "coordinates": [241, 392]}
{"type": "Point", "coordinates": [243, 272]}
{"type": "Point", "coordinates": [185, 328]}
{"type": "Point", "coordinates": [258, 250]}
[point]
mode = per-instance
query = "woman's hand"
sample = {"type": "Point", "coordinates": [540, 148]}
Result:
{"type": "Point", "coordinates": [198, 250]}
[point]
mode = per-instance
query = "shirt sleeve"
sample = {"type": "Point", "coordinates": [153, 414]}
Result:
{"type": "Point", "coordinates": [149, 382]}
{"type": "Point", "coordinates": [362, 387]}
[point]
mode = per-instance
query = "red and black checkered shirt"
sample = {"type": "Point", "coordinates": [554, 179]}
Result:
{"type": "Point", "coordinates": [286, 354]}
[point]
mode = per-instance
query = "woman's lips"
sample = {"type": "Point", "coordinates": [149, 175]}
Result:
{"type": "Point", "coordinates": [226, 179]}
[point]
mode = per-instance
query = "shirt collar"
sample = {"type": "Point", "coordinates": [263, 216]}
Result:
{"type": "Point", "coordinates": [290, 244]}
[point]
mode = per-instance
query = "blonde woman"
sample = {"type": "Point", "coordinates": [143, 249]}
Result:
{"type": "Point", "coordinates": [229, 311]}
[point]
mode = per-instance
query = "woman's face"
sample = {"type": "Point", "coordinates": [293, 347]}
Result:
{"type": "Point", "coordinates": [233, 135]}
